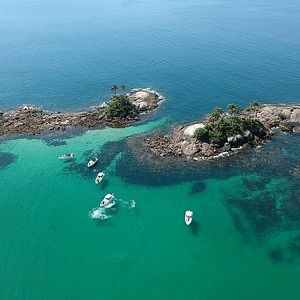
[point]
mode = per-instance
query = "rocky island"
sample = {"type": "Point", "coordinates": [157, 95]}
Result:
{"type": "Point", "coordinates": [219, 134]}
{"type": "Point", "coordinates": [120, 110]}
{"type": "Point", "coordinates": [225, 133]}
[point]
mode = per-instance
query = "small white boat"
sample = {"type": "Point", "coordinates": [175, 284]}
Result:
{"type": "Point", "coordinates": [99, 177]}
{"type": "Point", "coordinates": [67, 156]}
{"type": "Point", "coordinates": [188, 217]}
{"type": "Point", "coordinates": [92, 162]}
{"type": "Point", "coordinates": [107, 200]}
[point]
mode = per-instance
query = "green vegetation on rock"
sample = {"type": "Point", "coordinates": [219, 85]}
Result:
{"type": "Point", "coordinates": [253, 106]}
{"type": "Point", "coordinates": [118, 105]}
{"type": "Point", "coordinates": [233, 109]}
{"type": "Point", "coordinates": [220, 126]}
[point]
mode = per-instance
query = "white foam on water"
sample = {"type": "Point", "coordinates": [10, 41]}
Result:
{"type": "Point", "coordinates": [127, 204]}
{"type": "Point", "coordinates": [99, 213]}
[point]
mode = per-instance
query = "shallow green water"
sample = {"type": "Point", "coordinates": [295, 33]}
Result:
{"type": "Point", "coordinates": [52, 249]}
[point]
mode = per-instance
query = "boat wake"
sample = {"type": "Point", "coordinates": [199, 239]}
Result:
{"type": "Point", "coordinates": [99, 213]}
{"type": "Point", "coordinates": [102, 213]}
{"type": "Point", "coordinates": [127, 204]}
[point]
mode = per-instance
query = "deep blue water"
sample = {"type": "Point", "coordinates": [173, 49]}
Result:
{"type": "Point", "coordinates": [65, 55]}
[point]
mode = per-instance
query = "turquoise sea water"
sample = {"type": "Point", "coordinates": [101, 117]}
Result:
{"type": "Point", "coordinates": [244, 242]}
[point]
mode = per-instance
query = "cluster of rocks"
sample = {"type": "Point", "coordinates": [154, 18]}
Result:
{"type": "Point", "coordinates": [145, 99]}
{"type": "Point", "coordinates": [30, 120]}
{"type": "Point", "coordinates": [286, 118]}
{"type": "Point", "coordinates": [271, 117]}
{"type": "Point", "coordinates": [295, 171]}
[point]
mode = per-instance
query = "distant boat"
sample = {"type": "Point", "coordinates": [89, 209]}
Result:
{"type": "Point", "coordinates": [188, 217]}
{"type": "Point", "coordinates": [92, 162]}
{"type": "Point", "coordinates": [99, 177]}
{"type": "Point", "coordinates": [67, 156]}
{"type": "Point", "coordinates": [107, 201]}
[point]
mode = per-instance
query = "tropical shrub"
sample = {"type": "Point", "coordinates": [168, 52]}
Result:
{"type": "Point", "coordinates": [223, 128]}
{"type": "Point", "coordinates": [253, 106]}
{"type": "Point", "coordinates": [117, 105]}
{"type": "Point", "coordinates": [233, 109]}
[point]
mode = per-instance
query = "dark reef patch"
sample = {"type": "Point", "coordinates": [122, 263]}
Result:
{"type": "Point", "coordinates": [255, 184]}
{"type": "Point", "coordinates": [276, 255]}
{"type": "Point", "coordinates": [108, 153]}
{"type": "Point", "coordinates": [239, 223]}
{"type": "Point", "coordinates": [260, 212]}
{"type": "Point", "coordinates": [6, 159]}
{"type": "Point", "coordinates": [295, 244]}
{"type": "Point", "coordinates": [198, 187]}
{"type": "Point", "coordinates": [139, 165]}
{"type": "Point", "coordinates": [56, 142]}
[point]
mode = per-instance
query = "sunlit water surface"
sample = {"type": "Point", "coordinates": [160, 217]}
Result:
{"type": "Point", "coordinates": [244, 242]}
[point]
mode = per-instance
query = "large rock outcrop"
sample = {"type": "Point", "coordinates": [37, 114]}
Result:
{"type": "Point", "coordinates": [182, 143]}
{"type": "Point", "coordinates": [30, 120]}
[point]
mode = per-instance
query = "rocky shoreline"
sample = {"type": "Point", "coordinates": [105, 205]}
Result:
{"type": "Point", "coordinates": [181, 143]}
{"type": "Point", "coordinates": [272, 118]}
{"type": "Point", "coordinates": [30, 120]}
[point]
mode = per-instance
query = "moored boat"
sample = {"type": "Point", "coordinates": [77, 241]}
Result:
{"type": "Point", "coordinates": [67, 156]}
{"type": "Point", "coordinates": [188, 217]}
{"type": "Point", "coordinates": [92, 162]}
{"type": "Point", "coordinates": [99, 177]}
{"type": "Point", "coordinates": [107, 200]}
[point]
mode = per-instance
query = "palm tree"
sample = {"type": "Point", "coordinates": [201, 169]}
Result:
{"type": "Point", "coordinates": [114, 88]}
{"type": "Point", "coordinates": [123, 88]}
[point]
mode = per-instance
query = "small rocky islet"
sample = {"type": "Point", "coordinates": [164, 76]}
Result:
{"type": "Point", "coordinates": [119, 111]}
{"type": "Point", "coordinates": [262, 122]}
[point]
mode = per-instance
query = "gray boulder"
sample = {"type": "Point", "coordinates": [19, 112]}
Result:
{"type": "Point", "coordinates": [226, 147]}
{"type": "Point", "coordinates": [236, 140]}
{"type": "Point", "coordinates": [258, 131]}
{"type": "Point", "coordinates": [218, 143]}
{"type": "Point", "coordinates": [295, 116]}
{"type": "Point", "coordinates": [248, 136]}
{"type": "Point", "coordinates": [296, 129]}
{"type": "Point", "coordinates": [189, 149]}
{"type": "Point", "coordinates": [207, 150]}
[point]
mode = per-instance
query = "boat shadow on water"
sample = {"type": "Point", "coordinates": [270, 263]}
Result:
{"type": "Point", "coordinates": [195, 227]}
{"type": "Point", "coordinates": [104, 184]}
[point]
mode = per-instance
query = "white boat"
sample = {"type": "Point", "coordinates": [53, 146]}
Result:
{"type": "Point", "coordinates": [188, 217]}
{"type": "Point", "coordinates": [99, 177]}
{"type": "Point", "coordinates": [67, 156]}
{"type": "Point", "coordinates": [92, 162]}
{"type": "Point", "coordinates": [107, 201]}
